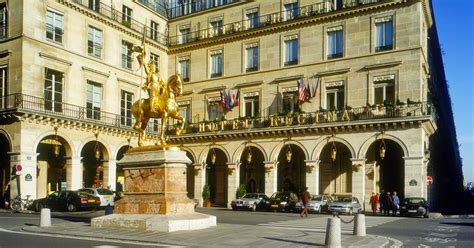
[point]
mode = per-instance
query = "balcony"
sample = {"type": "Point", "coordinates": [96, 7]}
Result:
{"type": "Point", "coordinates": [19, 104]}
{"type": "Point", "coordinates": [114, 15]}
{"type": "Point", "coordinates": [302, 12]}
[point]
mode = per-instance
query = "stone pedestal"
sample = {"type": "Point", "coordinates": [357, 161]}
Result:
{"type": "Point", "coordinates": [155, 193]}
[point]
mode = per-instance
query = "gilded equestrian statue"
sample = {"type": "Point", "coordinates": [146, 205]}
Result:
{"type": "Point", "coordinates": [161, 102]}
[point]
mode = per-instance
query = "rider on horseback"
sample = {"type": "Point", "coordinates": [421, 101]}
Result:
{"type": "Point", "coordinates": [153, 83]}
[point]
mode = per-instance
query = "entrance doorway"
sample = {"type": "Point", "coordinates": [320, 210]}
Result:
{"type": "Point", "coordinates": [51, 165]}
{"type": "Point", "coordinates": [216, 176]}
{"type": "Point", "coordinates": [252, 170]}
{"type": "Point", "coordinates": [335, 169]}
{"type": "Point", "coordinates": [93, 159]}
{"type": "Point", "coordinates": [291, 169]}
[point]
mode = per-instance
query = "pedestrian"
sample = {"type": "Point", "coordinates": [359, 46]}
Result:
{"type": "Point", "coordinates": [305, 198]}
{"type": "Point", "coordinates": [382, 200]}
{"type": "Point", "coordinates": [387, 203]}
{"type": "Point", "coordinates": [374, 201]}
{"type": "Point", "coordinates": [395, 203]}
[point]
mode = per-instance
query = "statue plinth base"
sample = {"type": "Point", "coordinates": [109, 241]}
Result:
{"type": "Point", "coordinates": [155, 197]}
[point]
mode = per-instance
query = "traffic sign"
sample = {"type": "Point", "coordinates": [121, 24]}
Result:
{"type": "Point", "coordinates": [18, 169]}
{"type": "Point", "coordinates": [429, 180]}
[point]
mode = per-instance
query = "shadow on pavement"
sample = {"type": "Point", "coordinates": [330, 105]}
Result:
{"type": "Point", "coordinates": [457, 224]}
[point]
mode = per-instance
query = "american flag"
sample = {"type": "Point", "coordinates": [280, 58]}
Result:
{"type": "Point", "coordinates": [301, 91]}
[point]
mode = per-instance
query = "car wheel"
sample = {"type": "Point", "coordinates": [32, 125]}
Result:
{"type": "Point", "coordinates": [38, 207]}
{"type": "Point", "coordinates": [254, 207]}
{"type": "Point", "coordinates": [71, 207]}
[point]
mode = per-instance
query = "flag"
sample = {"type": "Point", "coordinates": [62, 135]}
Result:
{"type": "Point", "coordinates": [301, 91]}
{"type": "Point", "coordinates": [232, 100]}
{"type": "Point", "coordinates": [229, 107]}
{"type": "Point", "coordinates": [237, 98]}
{"type": "Point", "coordinates": [223, 99]}
{"type": "Point", "coordinates": [307, 92]}
{"type": "Point", "coordinates": [315, 88]}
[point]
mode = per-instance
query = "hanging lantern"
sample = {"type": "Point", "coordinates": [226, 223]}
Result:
{"type": "Point", "coordinates": [96, 148]}
{"type": "Point", "coordinates": [333, 152]}
{"type": "Point", "coordinates": [382, 150]}
{"type": "Point", "coordinates": [289, 153]}
{"type": "Point", "coordinates": [56, 149]}
{"type": "Point", "coordinates": [249, 155]}
{"type": "Point", "coordinates": [213, 156]}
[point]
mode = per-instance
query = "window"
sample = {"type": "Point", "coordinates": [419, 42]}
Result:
{"type": "Point", "coordinates": [154, 125]}
{"type": "Point", "coordinates": [291, 11]}
{"type": "Point", "coordinates": [184, 68]}
{"type": "Point", "coordinates": [252, 18]}
{"type": "Point", "coordinates": [215, 111]}
{"type": "Point", "coordinates": [3, 21]}
{"type": "Point", "coordinates": [335, 95]}
{"type": "Point", "coordinates": [335, 42]}
{"type": "Point", "coordinates": [53, 90]}
{"type": "Point", "coordinates": [94, 5]}
{"type": "Point", "coordinates": [251, 55]}
{"type": "Point", "coordinates": [383, 34]}
{"type": "Point", "coordinates": [216, 63]}
{"type": "Point", "coordinates": [126, 108]}
{"type": "Point", "coordinates": [185, 111]}
{"type": "Point", "coordinates": [127, 54]}
{"type": "Point", "coordinates": [291, 50]}
{"type": "Point", "coordinates": [94, 100]}
{"type": "Point", "coordinates": [290, 101]}
{"type": "Point", "coordinates": [185, 32]}
{"type": "Point", "coordinates": [384, 89]}
{"type": "Point", "coordinates": [126, 16]}
{"type": "Point", "coordinates": [94, 42]}
{"type": "Point", "coordinates": [155, 58]}
{"type": "Point", "coordinates": [154, 30]}
{"type": "Point", "coordinates": [54, 26]}
{"type": "Point", "coordinates": [3, 85]}
{"type": "Point", "coordinates": [216, 27]}
{"type": "Point", "coordinates": [252, 105]}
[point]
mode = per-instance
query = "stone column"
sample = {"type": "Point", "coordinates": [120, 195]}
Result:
{"type": "Point", "coordinates": [270, 177]}
{"type": "Point", "coordinates": [110, 172]}
{"type": "Point", "coordinates": [358, 180]}
{"type": "Point", "coordinates": [199, 181]}
{"type": "Point", "coordinates": [73, 173]}
{"type": "Point", "coordinates": [232, 182]}
{"type": "Point", "coordinates": [25, 183]}
{"type": "Point", "coordinates": [312, 179]}
{"type": "Point", "coordinates": [414, 171]}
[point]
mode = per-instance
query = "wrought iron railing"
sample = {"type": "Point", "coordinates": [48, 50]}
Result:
{"type": "Point", "coordinates": [40, 106]}
{"type": "Point", "coordinates": [117, 16]}
{"type": "Point", "coordinates": [266, 20]}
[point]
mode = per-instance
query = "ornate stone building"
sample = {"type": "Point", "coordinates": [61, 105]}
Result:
{"type": "Point", "coordinates": [375, 101]}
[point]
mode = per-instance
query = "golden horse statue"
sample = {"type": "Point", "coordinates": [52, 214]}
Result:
{"type": "Point", "coordinates": [161, 106]}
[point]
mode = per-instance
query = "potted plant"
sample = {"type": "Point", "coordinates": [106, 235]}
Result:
{"type": "Point", "coordinates": [206, 196]}
{"type": "Point", "coordinates": [241, 191]}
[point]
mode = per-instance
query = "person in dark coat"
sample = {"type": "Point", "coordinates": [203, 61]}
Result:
{"type": "Point", "coordinates": [382, 200]}
{"type": "Point", "coordinates": [388, 203]}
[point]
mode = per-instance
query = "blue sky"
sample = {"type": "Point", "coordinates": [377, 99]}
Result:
{"type": "Point", "coordinates": [454, 20]}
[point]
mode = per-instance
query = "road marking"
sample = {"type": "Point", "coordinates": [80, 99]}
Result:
{"type": "Point", "coordinates": [87, 238]}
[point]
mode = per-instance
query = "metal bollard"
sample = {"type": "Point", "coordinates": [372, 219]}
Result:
{"type": "Point", "coordinates": [109, 210]}
{"type": "Point", "coordinates": [359, 225]}
{"type": "Point", "coordinates": [45, 220]}
{"type": "Point", "coordinates": [333, 233]}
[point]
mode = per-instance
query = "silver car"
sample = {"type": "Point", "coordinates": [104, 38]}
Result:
{"type": "Point", "coordinates": [250, 201]}
{"type": "Point", "coordinates": [106, 196]}
{"type": "Point", "coordinates": [345, 204]}
{"type": "Point", "coordinates": [317, 204]}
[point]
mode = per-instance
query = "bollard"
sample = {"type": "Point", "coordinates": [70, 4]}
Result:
{"type": "Point", "coordinates": [109, 210]}
{"type": "Point", "coordinates": [333, 233]}
{"type": "Point", "coordinates": [45, 220]}
{"type": "Point", "coordinates": [359, 225]}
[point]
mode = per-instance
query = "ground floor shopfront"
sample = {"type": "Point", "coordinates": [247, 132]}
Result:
{"type": "Point", "coordinates": [330, 161]}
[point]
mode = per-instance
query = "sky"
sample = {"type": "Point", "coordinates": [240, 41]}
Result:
{"type": "Point", "coordinates": [454, 21]}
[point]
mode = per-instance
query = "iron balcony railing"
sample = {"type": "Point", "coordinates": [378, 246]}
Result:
{"type": "Point", "coordinates": [266, 20]}
{"type": "Point", "coordinates": [21, 103]}
{"type": "Point", "coordinates": [323, 117]}
{"type": "Point", "coordinates": [117, 16]}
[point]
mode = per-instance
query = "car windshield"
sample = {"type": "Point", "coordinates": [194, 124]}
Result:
{"type": "Point", "coordinates": [278, 196]}
{"type": "Point", "coordinates": [415, 200]}
{"type": "Point", "coordinates": [251, 196]}
{"type": "Point", "coordinates": [104, 192]}
{"type": "Point", "coordinates": [343, 199]}
{"type": "Point", "coordinates": [317, 198]}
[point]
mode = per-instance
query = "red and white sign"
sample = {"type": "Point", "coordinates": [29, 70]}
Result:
{"type": "Point", "coordinates": [18, 169]}
{"type": "Point", "coordinates": [429, 180]}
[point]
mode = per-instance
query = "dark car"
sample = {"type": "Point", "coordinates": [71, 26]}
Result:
{"type": "Point", "coordinates": [250, 201]}
{"type": "Point", "coordinates": [415, 206]}
{"type": "Point", "coordinates": [283, 201]}
{"type": "Point", "coordinates": [67, 200]}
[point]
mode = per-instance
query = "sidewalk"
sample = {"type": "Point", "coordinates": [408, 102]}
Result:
{"type": "Point", "coordinates": [223, 235]}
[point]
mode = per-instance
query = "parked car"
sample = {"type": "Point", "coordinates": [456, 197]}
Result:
{"type": "Point", "coordinates": [317, 204]}
{"type": "Point", "coordinates": [415, 206]}
{"type": "Point", "coordinates": [250, 201]}
{"type": "Point", "coordinates": [106, 196]}
{"type": "Point", "coordinates": [67, 200]}
{"type": "Point", "coordinates": [346, 204]}
{"type": "Point", "coordinates": [283, 201]}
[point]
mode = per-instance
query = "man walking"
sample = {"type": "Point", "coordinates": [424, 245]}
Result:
{"type": "Point", "coordinates": [305, 198]}
{"type": "Point", "coordinates": [395, 203]}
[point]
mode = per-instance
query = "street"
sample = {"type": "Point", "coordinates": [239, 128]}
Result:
{"type": "Point", "coordinates": [401, 231]}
